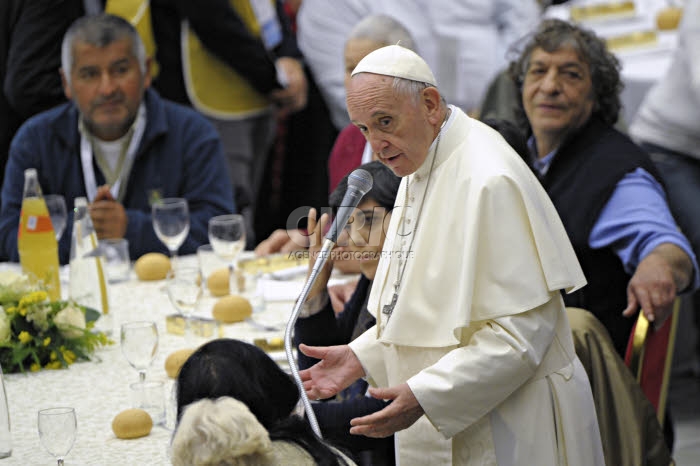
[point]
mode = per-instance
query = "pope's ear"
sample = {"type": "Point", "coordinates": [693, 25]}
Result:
{"type": "Point", "coordinates": [431, 101]}
{"type": "Point", "coordinates": [64, 83]}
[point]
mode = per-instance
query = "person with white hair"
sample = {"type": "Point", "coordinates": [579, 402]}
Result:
{"type": "Point", "coordinates": [472, 343]}
{"type": "Point", "coordinates": [232, 368]}
{"type": "Point", "coordinates": [371, 33]}
{"type": "Point", "coordinates": [465, 41]}
{"type": "Point", "coordinates": [221, 432]}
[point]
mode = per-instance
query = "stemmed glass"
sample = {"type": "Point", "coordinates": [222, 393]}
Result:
{"type": "Point", "coordinates": [57, 428]}
{"type": "Point", "coordinates": [184, 286]}
{"type": "Point", "coordinates": [171, 222]}
{"type": "Point", "coordinates": [227, 238]}
{"type": "Point", "coordinates": [139, 342]}
{"type": "Point", "coordinates": [56, 204]}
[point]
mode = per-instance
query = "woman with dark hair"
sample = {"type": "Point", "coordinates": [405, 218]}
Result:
{"type": "Point", "coordinates": [319, 326]}
{"type": "Point", "coordinates": [232, 368]}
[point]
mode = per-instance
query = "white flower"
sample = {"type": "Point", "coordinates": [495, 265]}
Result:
{"type": "Point", "coordinates": [4, 326]}
{"type": "Point", "coordinates": [10, 278]}
{"type": "Point", "coordinates": [70, 322]}
{"type": "Point", "coordinates": [38, 316]}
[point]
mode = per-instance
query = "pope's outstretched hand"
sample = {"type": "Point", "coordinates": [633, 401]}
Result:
{"type": "Point", "coordinates": [337, 369]}
{"type": "Point", "coordinates": [403, 411]}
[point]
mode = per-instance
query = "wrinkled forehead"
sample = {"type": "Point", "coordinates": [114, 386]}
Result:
{"type": "Point", "coordinates": [84, 51]}
{"type": "Point", "coordinates": [566, 55]}
{"type": "Point", "coordinates": [369, 95]}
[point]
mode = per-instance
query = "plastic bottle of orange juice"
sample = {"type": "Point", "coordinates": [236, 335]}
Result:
{"type": "Point", "coordinates": [36, 240]}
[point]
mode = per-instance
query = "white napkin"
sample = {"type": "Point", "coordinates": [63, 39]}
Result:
{"type": "Point", "coordinates": [276, 290]}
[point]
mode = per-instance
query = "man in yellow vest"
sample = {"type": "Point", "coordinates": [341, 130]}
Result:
{"type": "Point", "coordinates": [236, 61]}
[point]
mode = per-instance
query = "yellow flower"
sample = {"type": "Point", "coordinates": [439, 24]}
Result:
{"type": "Point", "coordinates": [34, 367]}
{"type": "Point", "coordinates": [24, 337]}
{"type": "Point", "coordinates": [23, 312]}
{"type": "Point", "coordinates": [32, 298]}
{"type": "Point", "coordinates": [11, 310]}
{"type": "Point", "coordinates": [54, 365]}
{"type": "Point", "coordinates": [68, 356]}
{"type": "Point", "coordinates": [5, 327]}
{"type": "Point", "coordinates": [53, 356]}
{"type": "Point", "coordinates": [47, 341]}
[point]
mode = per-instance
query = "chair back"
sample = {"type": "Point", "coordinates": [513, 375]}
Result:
{"type": "Point", "coordinates": [629, 429]}
{"type": "Point", "coordinates": [649, 356]}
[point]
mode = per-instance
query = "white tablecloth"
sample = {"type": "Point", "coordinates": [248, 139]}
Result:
{"type": "Point", "coordinates": [99, 390]}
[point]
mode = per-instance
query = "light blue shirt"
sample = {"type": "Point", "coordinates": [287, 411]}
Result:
{"type": "Point", "coordinates": [635, 220]}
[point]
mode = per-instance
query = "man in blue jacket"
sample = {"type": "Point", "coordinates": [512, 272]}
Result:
{"type": "Point", "coordinates": [117, 143]}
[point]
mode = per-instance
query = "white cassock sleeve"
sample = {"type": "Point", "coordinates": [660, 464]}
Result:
{"type": "Point", "coordinates": [368, 351]}
{"type": "Point", "coordinates": [470, 381]}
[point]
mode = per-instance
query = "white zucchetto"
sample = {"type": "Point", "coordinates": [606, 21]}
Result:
{"type": "Point", "coordinates": [396, 61]}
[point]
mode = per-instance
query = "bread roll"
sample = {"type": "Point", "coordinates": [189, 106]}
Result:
{"type": "Point", "coordinates": [611, 9]}
{"type": "Point", "coordinates": [218, 282]}
{"type": "Point", "coordinates": [132, 423]}
{"type": "Point", "coordinates": [669, 18]}
{"type": "Point", "coordinates": [636, 39]}
{"type": "Point", "coordinates": [231, 309]}
{"type": "Point", "coordinates": [175, 360]}
{"type": "Point", "coordinates": [152, 266]}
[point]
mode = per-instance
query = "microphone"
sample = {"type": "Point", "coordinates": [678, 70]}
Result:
{"type": "Point", "coordinates": [359, 183]}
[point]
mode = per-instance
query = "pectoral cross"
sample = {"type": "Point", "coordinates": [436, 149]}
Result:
{"type": "Point", "coordinates": [388, 309]}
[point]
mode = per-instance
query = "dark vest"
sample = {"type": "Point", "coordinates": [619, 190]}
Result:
{"type": "Point", "coordinates": [580, 181]}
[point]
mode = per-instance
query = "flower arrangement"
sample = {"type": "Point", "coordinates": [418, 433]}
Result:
{"type": "Point", "coordinates": [37, 334]}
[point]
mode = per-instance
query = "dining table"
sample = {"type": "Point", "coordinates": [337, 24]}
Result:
{"type": "Point", "coordinates": [99, 389]}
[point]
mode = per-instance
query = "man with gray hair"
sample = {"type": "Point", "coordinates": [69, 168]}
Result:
{"type": "Point", "coordinates": [472, 342]}
{"type": "Point", "coordinates": [118, 144]}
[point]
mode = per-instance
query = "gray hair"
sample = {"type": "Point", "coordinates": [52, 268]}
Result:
{"type": "Point", "coordinates": [382, 29]}
{"type": "Point", "coordinates": [100, 31]}
{"type": "Point", "coordinates": [413, 89]}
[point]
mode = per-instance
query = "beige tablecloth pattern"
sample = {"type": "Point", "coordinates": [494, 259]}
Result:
{"type": "Point", "coordinates": [99, 389]}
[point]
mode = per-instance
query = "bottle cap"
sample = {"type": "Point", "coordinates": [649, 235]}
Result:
{"type": "Point", "coordinates": [80, 202]}
{"type": "Point", "coordinates": [29, 172]}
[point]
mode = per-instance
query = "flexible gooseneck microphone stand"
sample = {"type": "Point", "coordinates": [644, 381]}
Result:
{"type": "Point", "coordinates": [359, 183]}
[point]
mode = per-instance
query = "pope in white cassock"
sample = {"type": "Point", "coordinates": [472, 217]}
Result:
{"type": "Point", "coordinates": [472, 342]}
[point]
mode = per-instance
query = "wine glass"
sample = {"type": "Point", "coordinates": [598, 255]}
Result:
{"type": "Point", "coordinates": [171, 222]}
{"type": "Point", "coordinates": [56, 204]}
{"type": "Point", "coordinates": [139, 342]}
{"type": "Point", "coordinates": [227, 239]}
{"type": "Point", "coordinates": [57, 428]}
{"type": "Point", "coordinates": [184, 286]}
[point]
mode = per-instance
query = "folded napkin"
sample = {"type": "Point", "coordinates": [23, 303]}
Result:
{"type": "Point", "coordinates": [276, 290]}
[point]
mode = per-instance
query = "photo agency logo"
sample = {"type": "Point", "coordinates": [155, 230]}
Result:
{"type": "Point", "coordinates": [367, 227]}
{"type": "Point", "coordinates": [348, 255]}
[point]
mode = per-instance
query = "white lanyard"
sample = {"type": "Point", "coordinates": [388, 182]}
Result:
{"type": "Point", "coordinates": [88, 167]}
{"type": "Point", "coordinates": [270, 29]}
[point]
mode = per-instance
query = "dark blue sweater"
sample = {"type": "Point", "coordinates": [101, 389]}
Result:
{"type": "Point", "coordinates": [180, 155]}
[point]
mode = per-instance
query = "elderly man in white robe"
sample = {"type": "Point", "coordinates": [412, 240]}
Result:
{"type": "Point", "coordinates": [472, 343]}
